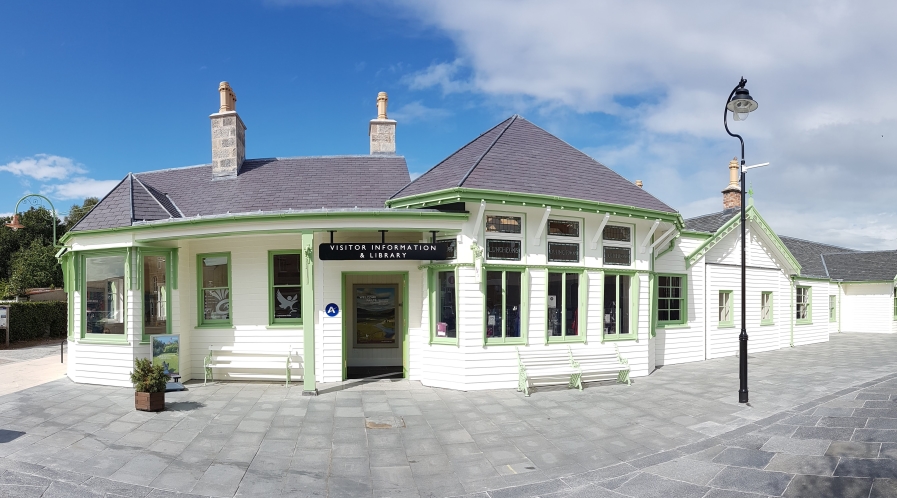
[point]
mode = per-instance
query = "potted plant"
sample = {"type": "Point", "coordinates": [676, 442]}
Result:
{"type": "Point", "coordinates": [149, 385]}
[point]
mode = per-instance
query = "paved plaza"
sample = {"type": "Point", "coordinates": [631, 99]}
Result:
{"type": "Point", "coordinates": [822, 422]}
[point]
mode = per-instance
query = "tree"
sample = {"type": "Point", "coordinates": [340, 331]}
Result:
{"type": "Point", "coordinates": [38, 224]}
{"type": "Point", "coordinates": [77, 212]}
{"type": "Point", "coordinates": [34, 266]}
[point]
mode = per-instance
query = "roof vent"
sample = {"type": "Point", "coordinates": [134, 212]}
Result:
{"type": "Point", "coordinates": [228, 136]}
{"type": "Point", "coordinates": [638, 183]}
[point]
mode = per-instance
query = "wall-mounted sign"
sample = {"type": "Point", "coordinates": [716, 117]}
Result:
{"type": "Point", "coordinates": [503, 249]}
{"type": "Point", "coordinates": [331, 309]}
{"type": "Point", "coordinates": [378, 251]}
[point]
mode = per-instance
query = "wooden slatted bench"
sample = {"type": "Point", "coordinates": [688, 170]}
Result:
{"type": "Point", "coordinates": [558, 365]}
{"type": "Point", "coordinates": [239, 359]}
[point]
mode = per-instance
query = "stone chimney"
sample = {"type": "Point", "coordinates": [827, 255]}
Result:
{"type": "Point", "coordinates": [382, 130]}
{"type": "Point", "coordinates": [639, 184]}
{"type": "Point", "coordinates": [228, 136]}
{"type": "Point", "coordinates": [732, 193]}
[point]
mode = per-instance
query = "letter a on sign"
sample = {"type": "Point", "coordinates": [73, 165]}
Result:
{"type": "Point", "coordinates": [331, 309]}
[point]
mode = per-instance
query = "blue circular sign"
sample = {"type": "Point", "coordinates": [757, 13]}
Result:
{"type": "Point", "coordinates": [331, 309]}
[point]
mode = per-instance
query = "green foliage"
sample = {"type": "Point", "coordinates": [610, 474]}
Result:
{"type": "Point", "coordinates": [148, 378]}
{"type": "Point", "coordinates": [77, 212]}
{"type": "Point", "coordinates": [38, 224]}
{"type": "Point", "coordinates": [37, 320]}
{"type": "Point", "coordinates": [34, 266]}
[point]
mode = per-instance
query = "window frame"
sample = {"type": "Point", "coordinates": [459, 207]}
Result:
{"type": "Point", "coordinates": [272, 321]}
{"type": "Point", "coordinates": [82, 290]}
{"type": "Point", "coordinates": [726, 324]}
{"type": "Point", "coordinates": [832, 308]}
{"type": "Point", "coordinates": [170, 284]}
{"type": "Point", "coordinates": [563, 239]}
{"type": "Point", "coordinates": [683, 299]}
{"type": "Point", "coordinates": [582, 308]}
{"type": "Point", "coordinates": [524, 305]}
{"type": "Point", "coordinates": [809, 305]}
{"type": "Point", "coordinates": [771, 305]}
{"type": "Point", "coordinates": [433, 281]}
{"type": "Point", "coordinates": [614, 243]}
{"type": "Point", "coordinates": [895, 301]}
{"type": "Point", "coordinates": [633, 304]}
{"type": "Point", "coordinates": [200, 301]}
{"type": "Point", "coordinates": [521, 237]}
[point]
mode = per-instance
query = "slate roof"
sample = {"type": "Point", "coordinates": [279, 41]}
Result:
{"type": "Point", "coordinates": [809, 255]}
{"type": "Point", "coordinates": [862, 266]}
{"type": "Point", "coordinates": [518, 156]}
{"type": "Point", "coordinates": [303, 183]}
{"type": "Point", "coordinates": [711, 222]}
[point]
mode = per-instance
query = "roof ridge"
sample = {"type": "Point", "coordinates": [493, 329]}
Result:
{"type": "Point", "coordinates": [448, 157]}
{"type": "Point", "coordinates": [847, 249]}
{"type": "Point", "coordinates": [131, 194]}
{"type": "Point", "coordinates": [716, 213]}
{"type": "Point", "coordinates": [478, 161]}
{"type": "Point", "coordinates": [97, 204]}
{"type": "Point", "coordinates": [154, 197]}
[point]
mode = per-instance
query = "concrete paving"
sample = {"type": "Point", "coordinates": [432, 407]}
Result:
{"type": "Point", "coordinates": [29, 367]}
{"type": "Point", "coordinates": [822, 422]}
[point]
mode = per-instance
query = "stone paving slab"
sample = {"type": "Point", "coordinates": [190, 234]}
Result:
{"type": "Point", "coordinates": [679, 432]}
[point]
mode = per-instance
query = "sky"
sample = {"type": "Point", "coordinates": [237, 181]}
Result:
{"type": "Point", "coordinates": [94, 90]}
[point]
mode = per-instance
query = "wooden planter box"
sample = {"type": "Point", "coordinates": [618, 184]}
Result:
{"type": "Point", "coordinates": [149, 402]}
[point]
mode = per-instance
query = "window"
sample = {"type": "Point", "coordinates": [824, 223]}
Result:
{"type": "Point", "coordinates": [156, 290]}
{"type": "Point", "coordinates": [802, 301]}
{"type": "Point", "coordinates": [563, 241]}
{"type": "Point", "coordinates": [445, 310]}
{"type": "Point", "coordinates": [671, 299]}
{"type": "Point", "coordinates": [617, 242]}
{"type": "Point", "coordinates": [285, 292]}
{"type": "Point", "coordinates": [504, 306]}
{"type": "Point", "coordinates": [563, 306]}
{"type": "Point", "coordinates": [214, 289]}
{"type": "Point", "coordinates": [766, 310]}
{"type": "Point", "coordinates": [103, 295]}
{"type": "Point", "coordinates": [725, 309]}
{"type": "Point", "coordinates": [895, 303]}
{"type": "Point", "coordinates": [617, 303]}
{"type": "Point", "coordinates": [833, 308]}
{"type": "Point", "coordinates": [504, 237]}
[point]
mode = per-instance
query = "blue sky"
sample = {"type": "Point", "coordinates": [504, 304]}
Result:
{"type": "Point", "coordinates": [94, 90]}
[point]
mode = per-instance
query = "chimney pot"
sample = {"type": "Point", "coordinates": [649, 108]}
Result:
{"type": "Point", "coordinates": [638, 183]}
{"type": "Point", "coordinates": [382, 130]}
{"type": "Point", "coordinates": [228, 135]}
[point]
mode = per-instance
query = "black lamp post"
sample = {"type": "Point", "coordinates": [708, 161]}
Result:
{"type": "Point", "coordinates": [740, 104]}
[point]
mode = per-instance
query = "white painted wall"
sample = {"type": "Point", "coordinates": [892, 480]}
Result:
{"type": "Point", "coordinates": [868, 308]}
{"type": "Point", "coordinates": [817, 331]}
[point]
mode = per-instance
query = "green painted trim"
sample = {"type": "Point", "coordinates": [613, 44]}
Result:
{"type": "Point", "coordinates": [524, 306]}
{"type": "Point", "coordinates": [814, 279]}
{"type": "Point", "coordinates": [695, 234]}
{"type": "Point", "coordinates": [445, 266]}
{"type": "Point", "coordinates": [855, 282]}
{"type": "Point", "coordinates": [214, 326]}
{"type": "Point", "coordinates": [772, 309]}
{"type": "Point", "coordinates": [672, 326]}
{"type": "Point", "coordinates": [433, 283]}
{"type": "Point", "coordinates": [720, 324]}
{"type": "Point", "coordinates": [200, 302]}
{"type": "Point", "coordinates": [809, 319]}
{"type": "Point", "coordinates": [582, 326]}
{"type": "Point", "coordinates": [82, 256]}
{"type": "Point", "coordinates": [668, 249]}
{"type": "Point", "coordinates": [255, 217]}
{"type": "Point", "coordinates": [169, 263]}
{"type": "Point", "coordinates": [633, 304]}
{"type": "Point", "coordinates": [683, 313]}
{"type": "Point", "coordinates": [461, 194]}
{"type": "Point", "coordinates": [750, 214]}
{"type": "Point", "coordinates": [283, 321]}
{"type": "Point", "coordinates": [791, 320]}
{"type": "Point", "coordinates": [309, 382]}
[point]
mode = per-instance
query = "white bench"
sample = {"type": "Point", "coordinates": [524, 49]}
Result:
{"type": "Point", "coordinates": [561, 364]}
{"type": "Point", "coordinates": [239, 359]}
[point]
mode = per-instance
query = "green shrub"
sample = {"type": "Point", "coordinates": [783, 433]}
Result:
{"type": "Point", "coordinates": [148, 378]}
{"type": "Point", "coordinates": [37, 320]}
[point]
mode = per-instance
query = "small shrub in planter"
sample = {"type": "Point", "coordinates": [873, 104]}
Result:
{"type": "Point", "coordinates": [149, 385]}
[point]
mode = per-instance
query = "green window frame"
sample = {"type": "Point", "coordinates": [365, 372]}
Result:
{"type": "Point", "coordinates": [443, 306]}
{"type": "Point", "coordinates": [619, 322]}
{"type": "Point", "coordinates": [99, 304]}
{"type": "Point", "coordinates": [496, 328]}
{"type": "Point", "coordinates": [672, 298]}
{"type": "Point", "coordinates": [895, 303]}
{"type": "Point", "coordinates": [832, 308]}
{"type": "Point", "coordinates": [558, 318]}
{"type": "Point", "coordinates": [278, 300]}
{"type": "Point", "coordinates": [767, 310]}
{"type": "Point", "coordinates": [170, 275]}
{"type": "Point", "coordinates": [202, 287]}
{"type": "Point", "coordinates": [726, 317]}
{"type": "Point", "coordinates": [803, 304]}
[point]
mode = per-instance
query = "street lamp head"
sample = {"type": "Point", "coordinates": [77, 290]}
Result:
{"type": "Point", "coordinates": [15, 224]}
{"type": "Point", "coordinates": [741, 103]}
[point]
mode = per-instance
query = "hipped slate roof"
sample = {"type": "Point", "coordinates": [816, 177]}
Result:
{"type": "Point", "coordinates": [810, 255]}
{"type": "Point", "coordinates": [862, 266]}
{"type": "Point", "coordinates": [712, 222]}
{"type": "Point", "coordinates": [518, 156]}
{"type": "Point", "coordinates": [332, 182]}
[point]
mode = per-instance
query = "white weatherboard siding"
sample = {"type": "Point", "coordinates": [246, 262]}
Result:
{"type": "Point", "coordinates": [683, 343]}
{"type": "Point", "coordinates": [817, 330]}
{"type": "Point", "coordinates": [868, 308]}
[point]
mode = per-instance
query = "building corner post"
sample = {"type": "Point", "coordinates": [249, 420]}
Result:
{"type": "Point", "coordinates": [309, 384]}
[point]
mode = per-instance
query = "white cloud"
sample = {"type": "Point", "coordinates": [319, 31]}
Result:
{"type": "Point", "coordinates": [80, 188]}
{"type": "Point", "coordinates": [44, 167]}
{"type": "Point", "coordinates": [822, 72]}
{"type": "Point", "coordinates": [417, 111]}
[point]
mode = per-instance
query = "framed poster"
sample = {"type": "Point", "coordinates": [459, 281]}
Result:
{"type": "Point", "coordinates": [166, 352]}
{"type": "Point", "coordinates": [376, 315]}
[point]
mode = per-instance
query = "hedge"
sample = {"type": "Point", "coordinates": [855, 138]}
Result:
{"type": "Point", "coordinates": [37, 320]}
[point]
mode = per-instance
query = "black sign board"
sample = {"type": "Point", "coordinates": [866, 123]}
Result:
{"type": "Point", "coordinates": [564, 252]}
{"type": "Point", "coordinates": [503, 249]}
{"type": "Point", "coordinates": [377, 251]}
